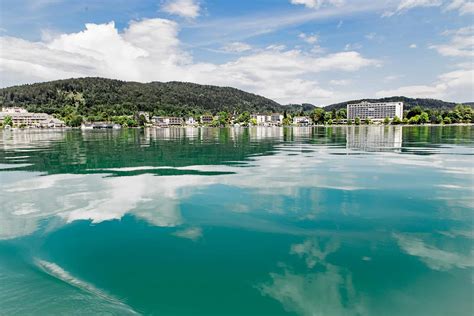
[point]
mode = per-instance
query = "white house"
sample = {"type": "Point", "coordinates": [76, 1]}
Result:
{"type": "Point", "coordinates": [301, 120]}
{"type": "Point", "coordinates": [191, 121]}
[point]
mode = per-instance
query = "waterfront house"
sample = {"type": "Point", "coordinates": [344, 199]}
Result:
{"type": "Point", "coordinates": [261, 119]}
{"type": "Point", "coordinates": [191, 121]}
{"type": "Point", "coordinates": [301, 120]}
{"type": "Point", "coordinates": [53, 123]}
{"type": "Point", "coordinates": [175, 121]}
{"type": "Point", "coordinates": [276, 119]}
{"type": "Point", "coordinates": [206, 119]}
{"type": "Point", "coordinates": [159, 121]}
{"type": "Point", "coordinates": [165, 121]}
{"type": "Point", "coordinates": [268, 119]}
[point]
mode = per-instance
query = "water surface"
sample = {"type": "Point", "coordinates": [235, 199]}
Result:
{"type": "Point", "coordinates": [259, 221]}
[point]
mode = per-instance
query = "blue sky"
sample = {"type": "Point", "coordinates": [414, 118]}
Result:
{"type": "Point", "coordinates": [293, 51]}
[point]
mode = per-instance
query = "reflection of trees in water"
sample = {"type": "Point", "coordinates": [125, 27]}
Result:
{"type": "Point", "coordinates": [73, 151]}
{"type": "Point", "coordinates": [77, 152]}
{"type": "Point", "coordinates": [325, 289]}
{"type": "Point", "coordinates": [417, 136]}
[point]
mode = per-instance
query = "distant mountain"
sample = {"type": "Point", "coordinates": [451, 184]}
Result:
{"type": "Point", "coordinates": [408, 103]}
{"type": "Point", "coordinates": [92, 95]}
{"type": "Point", "coordinates": [89, 96]}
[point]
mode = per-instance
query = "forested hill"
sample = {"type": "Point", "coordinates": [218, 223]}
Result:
{"type": "Point", "coordinates": [94, 95]}
{"type": "Point", "coordinates": [408, 103]}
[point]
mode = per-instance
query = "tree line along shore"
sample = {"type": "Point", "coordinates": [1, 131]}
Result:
{"type": "Point", "coordinates": [317, 116]}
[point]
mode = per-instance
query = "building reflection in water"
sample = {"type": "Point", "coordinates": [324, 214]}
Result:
{"type": "Point", "coordinates": [374, 138]}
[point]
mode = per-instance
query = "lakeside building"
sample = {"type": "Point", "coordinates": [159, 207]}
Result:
{"type": "Point", "coordinates": [375, 111]}
{"type": "Point", "coordinates": [166, 121]}
{"type": "Point", "coordinates": [259, 118]}
{"type": "Point", "coordinates": [191, 121]}
{"type": "Point", "coordinates": [13, 109]}
{"type": "Point", "coordinates": [206, 119]}
{"type": "Point", "coordinates": [276, 118]}
{"type": "Point", "coordinates": [268, 119]}
{"type": "Point", "coordinates": [21, 117]}
{"type": "Point", "coordinates": [301, 120]}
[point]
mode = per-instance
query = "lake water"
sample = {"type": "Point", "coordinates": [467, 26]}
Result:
{"type": "Point", "coordinates": [258, 221]}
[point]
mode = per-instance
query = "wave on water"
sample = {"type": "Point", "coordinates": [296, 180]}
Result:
{"type": "Point", "coordinates": [59, 273]}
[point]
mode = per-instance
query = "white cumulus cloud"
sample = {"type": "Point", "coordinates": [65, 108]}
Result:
{"type": "Point", "coordinates": [150, 50]}
{"type": "Point", "coordinates": [457, 84]}
{"type": "Point", "coordinates": [184, 8]}
{"type": "Point", "coordinates": [461, 44]}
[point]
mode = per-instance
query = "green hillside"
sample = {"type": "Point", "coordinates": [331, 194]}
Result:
{"type": "Point", "coordinates": [115, 97]}
{"type": "Point", "coordinates": [107, 97]}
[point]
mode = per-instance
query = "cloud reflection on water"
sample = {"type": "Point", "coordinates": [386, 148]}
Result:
{"type": "Point", "coordinates": [438, 257]}
{"type": "Point", "coordinates": [296, 170]}
{"type": "Point", "coordinates": [325, 289]}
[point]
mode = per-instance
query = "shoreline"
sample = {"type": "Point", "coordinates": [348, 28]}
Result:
{"type": "Point", "coordinates": [216, 127]}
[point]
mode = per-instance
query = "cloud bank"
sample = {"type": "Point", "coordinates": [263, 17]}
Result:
{"type": "Point", "coordinates": [150, 50]}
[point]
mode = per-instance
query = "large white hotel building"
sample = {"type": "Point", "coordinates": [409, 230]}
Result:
{"type": "Point", "coordinates": [375, 111]}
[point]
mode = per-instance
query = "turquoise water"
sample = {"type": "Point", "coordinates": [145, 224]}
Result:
{"type": "Point", "coordinates": [259, 221]}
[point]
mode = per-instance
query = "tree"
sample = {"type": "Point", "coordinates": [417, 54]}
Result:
{"type": "Point", "coordinates": [327, 116]}
{"type": "Point", "coordinates": [396, 120]}
{"type": "Point", "coordinates": [386, 121]}
{"type": "Point", "coordinates": [447, 120]}
{"type": "Point", "coordinates": [317, 115]}
{"type": "Point", "coordinates": [286, 121]}
{"type": "Point", "coordinates": [244, 118]}
{"type": "Point", "coordinates": [455, 115]}
{"type": "Point", "coordinates": [253, 121]}
{"type": "Point", "coordinates": [414, 119]}
{"type": "Point", "coordinates": [357, 121]}
{"type": "Point", "coordinates": [73, 120]}
{"type": "Point", "coordinates": [224, 118]}
{"type": "Point", "coordinates": [7, 120]}
{"type": "Point", "coordinates": [367, 121]}
{"type": "Point", "coordinates": [141, 120]}
{"type": "Point", "coordinates": [341, 114]}
{"type": "Point", "coordinates": [424, 118]}
{"type": "Point", "coordinates": [349, 121]}
{"type": "Point", "coordinates": [416, 110]}
{"type": "Point", "coordinates": [215, 123]}
{"type": "Point", "coordinates": [329, 122]}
